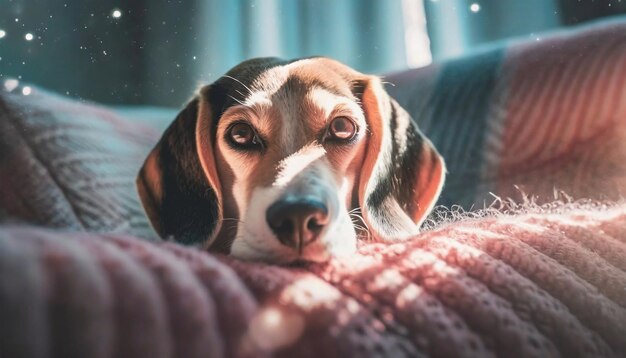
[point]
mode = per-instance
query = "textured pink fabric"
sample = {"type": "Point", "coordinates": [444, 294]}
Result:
{"type": "Point", "coordinates": [540, 284]}
{"type": "Point", "coordinates": [69, 164]}
{"type": "Point", "coordinates": [531, 117]}
{"type": "Point", "coordinates": [565, 116]}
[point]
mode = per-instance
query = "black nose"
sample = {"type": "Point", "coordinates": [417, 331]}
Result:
{"type": "Point", "coordinates": [297, 221]}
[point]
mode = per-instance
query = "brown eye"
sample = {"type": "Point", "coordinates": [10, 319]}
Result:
{"type": "Point", "coordinates": [242, 135]}
{"type": "Point", "coordinates": [342, 128]}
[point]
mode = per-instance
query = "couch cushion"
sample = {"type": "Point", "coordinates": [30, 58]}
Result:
{"type": "Point", "coordinates": [534, 117]}
{"type": "Point", "coordinates": [70, 164]}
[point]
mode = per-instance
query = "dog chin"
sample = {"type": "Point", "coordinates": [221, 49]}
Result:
{"type": "Point", "coordinates": [342, 244]}
{"type": "Point", "coordinates": [314, 253]}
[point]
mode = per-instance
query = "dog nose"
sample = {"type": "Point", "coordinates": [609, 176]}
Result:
{"type": "Point", "coordinates": [297, 222]}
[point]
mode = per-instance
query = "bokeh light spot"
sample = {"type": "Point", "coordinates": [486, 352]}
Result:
{"type": "Point", "coordinates": [11, 84]}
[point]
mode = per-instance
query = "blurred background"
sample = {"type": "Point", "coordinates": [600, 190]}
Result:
{"type": "Point", "coordinates": [157, 52]}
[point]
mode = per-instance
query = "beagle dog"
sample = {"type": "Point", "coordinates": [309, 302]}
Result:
{"type": "Point", "coordinates": [273, 161]}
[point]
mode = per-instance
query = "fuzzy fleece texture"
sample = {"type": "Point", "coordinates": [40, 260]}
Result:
{"type": "Point", "coordinates": [537, 284]}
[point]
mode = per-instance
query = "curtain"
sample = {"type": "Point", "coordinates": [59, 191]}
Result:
{"type": "Point", "coordinates": [191, 43]}
{"type": "Point", "coordinates": [457, 26]}
{"type": "Point", "coordinates": [365, 34]}
{"type": "Point", "coordinates": [157, 52]}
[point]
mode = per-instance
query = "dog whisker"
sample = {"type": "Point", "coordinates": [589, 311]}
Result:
{"type": "Point", "coordinates": [236, 100]}
{"type": "Point", "coordinates": [357, 220]}
{"type": "Point", "coordinates": [236, 80]}
{"type": "Point", "coordinates": [363, 234]}
{"type": "Point", "coordinates": [242, 96]}
{"type": "Point", "coordinates": [240, 93]}
{"type": "Point", "coordinates": [357, 216]}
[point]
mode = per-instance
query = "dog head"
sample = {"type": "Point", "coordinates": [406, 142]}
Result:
{"type": "Point", "coordinates": [272, 160]}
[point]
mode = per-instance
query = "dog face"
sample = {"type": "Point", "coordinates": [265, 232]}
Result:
{"type": "Point", "coordinates": [271, 160]}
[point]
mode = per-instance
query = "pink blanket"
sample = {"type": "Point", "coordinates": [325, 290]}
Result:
{"type": "Point", "coordinates": [540, 284]}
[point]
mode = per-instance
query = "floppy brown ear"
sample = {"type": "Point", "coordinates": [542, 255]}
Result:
{"type": "Point", "coordinates": [402, 173]}
{"type": "Point", "coordinates": [178, 184]}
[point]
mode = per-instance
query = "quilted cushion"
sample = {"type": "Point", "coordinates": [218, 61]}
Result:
{"type": "Point", "coordinates": [70, 164]}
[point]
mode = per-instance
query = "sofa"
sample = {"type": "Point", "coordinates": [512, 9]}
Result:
{"type": "Point", "coordinates": [525, 256]}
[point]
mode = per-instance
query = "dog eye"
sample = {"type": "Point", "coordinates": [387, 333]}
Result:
{"type": "Point", "coordinates": [243, 135]}
{"type": "Point", "coordinates": [342, 128]}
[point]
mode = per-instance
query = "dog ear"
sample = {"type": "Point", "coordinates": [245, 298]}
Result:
{"type": "Point", "coordinates": [178, 183]}
{"type": "Point", "coordinates": [402, 174]}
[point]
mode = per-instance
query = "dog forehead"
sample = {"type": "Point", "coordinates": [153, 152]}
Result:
{"type": "Point", "coordinates": [302, 75]}
{"type": "Point", "coordinates": [269, 76]}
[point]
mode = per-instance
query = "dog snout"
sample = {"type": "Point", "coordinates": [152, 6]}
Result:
{"type": "Point", "coordinates": [297, 221]}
